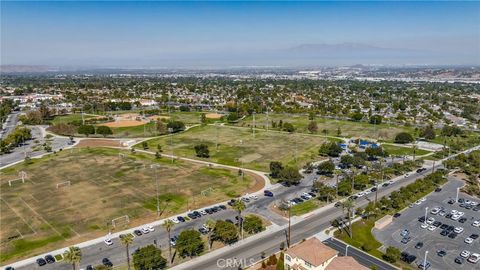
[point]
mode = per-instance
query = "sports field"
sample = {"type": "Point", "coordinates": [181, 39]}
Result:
{"type": "Point", "coordinates": [37, 216]}
{"type": "Point", "coordinates": [237, 145]}
{"type": "Point", "coordinates": [398, 150]}
{"type": "Point", "coordinates": [383, 132]}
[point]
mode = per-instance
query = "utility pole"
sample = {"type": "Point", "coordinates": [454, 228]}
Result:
{"type": "Point", "coordinates": [267, 120]}
{"type": "Point", "coordinates": [155, 167]}
{"type": "Point", "coordinates": [426, 212]}
{"type": "Point", "coordinates": [216, 135]}
{"type": "Point", "coordinates": [425, 260]}
{"type": "Point", "coordinates": [241, 159]}
{"type": "Point", "coordinates": [253, 130]}
{"type": "Point", "coordinates": [456, 197]}
{"type": "Point", "coordinates": [170, 130]}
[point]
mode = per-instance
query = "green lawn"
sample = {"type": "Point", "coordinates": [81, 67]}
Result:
{"type": "Point", "coordinates": [237, 146]}
{"type": "Point", "coordinates": [305, 207]}
{"type": "Point", "coordinates": [362, 233]}
{"type": "Point", "coordinates": [401, 151]}
{"type": "Point", "coordinates": [382, 132]}
{"type": "Point", "coordinates": [37, 216]}
{"type": "Point", "coordinates": [64, 119]}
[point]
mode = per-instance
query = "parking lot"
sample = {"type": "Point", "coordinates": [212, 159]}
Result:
{"type": "Point", "coordinates": [431, 237]}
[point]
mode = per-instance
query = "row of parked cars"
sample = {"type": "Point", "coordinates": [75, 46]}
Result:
{"type": "Point", "coordinates": [302, 198]}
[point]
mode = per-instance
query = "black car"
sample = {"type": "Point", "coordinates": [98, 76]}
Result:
{"type": "Point", "coordinates": [419, 245]}
{"type": "Point", "coordinates": [197, 214]}
{"type": "Point", "coordinates": [438, 189]}
{"type": "Point", "coordinates": [451, 201]}
{"type": "Point", "coordinates": [437, 223]}
{"type": "Point", "coordinates": [444, 233]}
{"type": "Point", "coordinates": [421, 219]}
{"type": "Point", "coordinates": [49, 259]}
{"type": "Point", "coordinates": [448, 215]}
{"type": "Point", "coordinates": [202, 230]}
{"type": "Point", "coordinates": [462, 220]}
{"type": "Point", "coordinates": [89, 267]}
{"type": "Point", "coordinates": [338, 204]}
{"type": "Point", "coordinates": [213, 209]}
{"type": "Point", "coordinates": [444, 226]}
{"type": "Point", "coordinates": [9, 268]}
{"type": "Point", "coordinates": [192, 215]}
{"type": "Point", "coordinates": [450, 228]}
{"type": "Point", "coordinates": [468, 206]}
{"type": "Point", "coordinates": [459, 260]}
{"type": "Point", "coordinates": [231, 202]}
{"type": "Point", "coordinates": [396, 215]}
{"type": "Point", "coordinates": [474, 236]}
{"type": "Point", "coordinates": [313, 194]}
{"type": "Point", "coordinates": [107, 262]}
{"type": "Point", "coordinates": [268, 193]}
{"type": "Point", "coordinates": [441, 253]}
{"type": "Point", "coordinates": [209, 211]}
{"type": "Point", "coordinates": [41, 262]}
{"type": "Point", "coordinates": [452, 235]}
{"type": "Point", "coordinates": [223, 207]}
{"type": "Point", "coordinates": [181, 219]}
{"type": "Point", "coordinates": [373, 189]}
{"type": "Point", "coordinates": [408, 258]}
{"type": "Point", "coordinates": [385, 184]}
{"type": "Point", "coordinates": [476, 208]}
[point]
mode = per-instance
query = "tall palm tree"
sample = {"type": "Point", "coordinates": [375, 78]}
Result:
{"type": "Point", "coordinates": [239, 206]}
{"type": "Point", "coordinates": [73, 255]}
{"type": "Point", "coordinates": [211, 225]}
{"type": "Point", "coordinates": [127, 240]}
{"type": "Point", "coordinates": [349, 205]}
{"type": "Point", "coordinates": [337, 172]}
{"type": "Point", "coordinates": [168, 225]}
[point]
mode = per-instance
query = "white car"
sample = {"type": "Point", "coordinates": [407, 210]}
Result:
{"type": "Point", "coordinates": [203, 212]}
{"type": "Point", "coordinates": [453, 212]}
{"type": "Point", "coordinates": [465, 254]}
{"type": "Point", "coordinates": [435, 211]}
{"type": "Point", "coordinates": [307, 195]}
{"type": "Point", "coordinates": [474, 204]}
{"type": "Point", "coordinates": [418, 202]}
{"type": "Point", "coordinates": [458, 230]}
{"type": "Point", "coordinates": [108, 242]}
{"type": "Point", "coordinates": [411, 205]}
{"type": "Point", "coordinates": [175, 220]}
{"type": "Point", "coordinates": [461, 214]}
{"type": "Point", "coordinates": [292, 203]}
{"type": "Point", "coordinates": [423, 199]}
{"type": "Point", "coordinates": [474, 258]}
{"type": "Point", "coordinates": [430, 220]}
{"type": "Point", "coordinates": [368, 191]}
{"type": "Point", "coordinates": [390, 182]}
{"type": "Point", "coordinates": [150, 228]}
{"type": "Point", "coordinates": [361, 194]}
{"type": "Point", "coordinates": [431, 228]}
{"type": "Point", "coordinates": [476, 223]}
{"type": "Point", "coordinates": [145, 230]}
{"type": "Point", "coordinates": [455, 217]}
{"type": "Point", "coordinates": [254, 197]}
{"type": "Point", "coordinates": [468, 240]}
{"type": "Point", "coordinates": [424, 226]}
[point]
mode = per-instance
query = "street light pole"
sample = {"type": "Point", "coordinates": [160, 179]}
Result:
{"type": "Point", "coordinates": [170, 130]}
{"type": "Point", "coordinates": [425, 260]}
{"type": "Point", "coordinates": [456, 197]}
{"type": "Point", "coordinates": [426, 210]}
{"type": "Point", "coordinates": [346, 250]}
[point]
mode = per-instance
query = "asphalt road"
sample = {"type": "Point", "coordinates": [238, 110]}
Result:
{"type": "Point", "coordinates": [18, 153]}
{"type": "Point", "coordinates": [9, 124]}
{"type": "Point", "coordinates": [362, 257]}
{"type": "Point", "coordinates": [250, 251]}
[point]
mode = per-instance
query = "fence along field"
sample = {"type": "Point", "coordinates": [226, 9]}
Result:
{"type": "Point", "coordinates": [74, 196]}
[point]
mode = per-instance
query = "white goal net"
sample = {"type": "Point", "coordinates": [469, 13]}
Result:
{"type": "Point", "coordinates": [120, 221]}
{"type": "Point", "coordinates": [63, 184]}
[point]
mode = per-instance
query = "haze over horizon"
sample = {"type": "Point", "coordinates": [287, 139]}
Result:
{"type": "Point", "coordinates": [206, 34]}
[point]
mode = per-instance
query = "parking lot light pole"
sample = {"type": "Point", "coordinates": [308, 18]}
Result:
{"type": "Point", "coordinates": [346, 250]}
{"type": "Point", "coordinates": [456, 197]}
{"type": "Point", "coordinates": [425, 260]}
{"type": "Point", "coordinates": [426, 210]}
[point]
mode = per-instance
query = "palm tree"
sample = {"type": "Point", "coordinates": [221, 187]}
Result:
{"type": "Point", "coordinates": [168, 225]}
{"type": "Point", "coordinates": [127, 240]}
{"type": "Point", "coordinates": [73, 255]}
{"type": "Point", "coordinates": [239, 206]}
{"type": "Point", "coordinates": [210, 224]}
{"type": "Point", "coordinates": [349, 205]}
{"type": "Point", "coordinates": [337, 172]}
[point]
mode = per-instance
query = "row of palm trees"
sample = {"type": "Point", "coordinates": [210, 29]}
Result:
{"type": "Point", "coordinates": [73, 255]}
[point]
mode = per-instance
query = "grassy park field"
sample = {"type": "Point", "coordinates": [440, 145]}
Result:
{"type": "Point", "coordinates": [382, 132]}
{"type": "Point", "coordinates": [102, 185]}
{"type": "Point", "coordinates": [237, 146]}
{"type": "Point", "coordinates": [401, 151]}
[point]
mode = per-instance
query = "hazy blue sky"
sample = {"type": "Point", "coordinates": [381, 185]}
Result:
{"type": "Point", "coordinates": [236, 33]}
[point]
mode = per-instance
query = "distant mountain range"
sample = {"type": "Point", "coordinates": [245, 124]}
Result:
{"type": "Point", "coordinates": [342, 47]}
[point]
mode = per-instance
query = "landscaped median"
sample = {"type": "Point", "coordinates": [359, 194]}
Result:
{"type": "Point", "coordinates": [361, 231]}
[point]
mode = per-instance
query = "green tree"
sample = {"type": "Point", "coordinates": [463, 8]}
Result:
{"type": "Point", "coordinates": [73, 256]}
{"type": "Point", "coordinates": [189, 243]}
{"type": "Point", "coordinates": [127, 240]}
{"type": "Point", "coordinates": [232, 117]}
{"type": "Point", "coordinates": [280, 262]}
{"type": "Point", "coordinates": [392, 254]}
{"type": "Point", "coordinates": [290, 175]}
{"type": "Point", "coordinates": [331, 149]}
{"type": "Point", "coordinates": [149, 258]}
{"type": "Point", "coordinates": [428, 132]}
{"type": "Point", "coordinates": [225, 232]}
{"type": "Point", "coordinates": [253, 224]}
{"type": "Point", "coordinates": [104, 131]}
{"type": "Point", "coordinates": [86, 130]}
{"type": "Point", "coordinates": [176, 126]}
{"type": "Point", "coordinates": [240, 206]}
{"type": "Point", "coordinates": [211, 225]}
{"type": "Point", "coordinates": [144, 145]}
{"type": "Point", "coordinates": [168, 226]}
{"type": "Point", "coordinates": [288, 127]}
{"type": "Point", "coordinates": [403, 137]}
{"type": "Point", "coordinates": [203, 119]}
{"type": "Point", "coordinates": [202, 150]}
{"type": "Point", "coordinates": [349, 205]}
{"type": "Point", "coordinates": [376, 119]}
{"type": "Point", "coordinates": [356, 116]}
{"type": "Point", "coordinates": [275, 168]}
{"type": "Point", "coordinates": [326, 167]}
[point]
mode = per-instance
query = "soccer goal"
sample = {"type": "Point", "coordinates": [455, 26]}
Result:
{"type": "Point", "coordinates": [63, 184]}
{"type": "Point", "coordinates": [22, 175]}
{"type": "Point", "coordinates": [119, 221]}
{"type": "Point", "coordinates": [121, 156]}
{"type": "Point", "coordinates": [207, 191]}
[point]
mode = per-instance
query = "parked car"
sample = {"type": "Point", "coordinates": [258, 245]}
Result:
{"type": "Point", "coordinates": [459, 260]}
{"type": "Point", "coordinates": [441, 253]}
{"type": "Point", "coordinates": [465, 254]}
{"type": "Point", "coordinates": [108, 242]}
{"type": "Point", "coordinates": [41, 262]}
{"type": "Point", "coordinates": [419, 245]}
{"type": "Point", "coordinates": [426, 266]}
{"type": "Point", "coordinates": [107, 262]}
{"type": "Point", "coordinates": [181, 219]}
{"type": "Point", "coordinates": [137, 232]}
{"type": "Point", "coordinates": [49, 259]}
{"type": "Point", "coordinates": [474, 258]}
